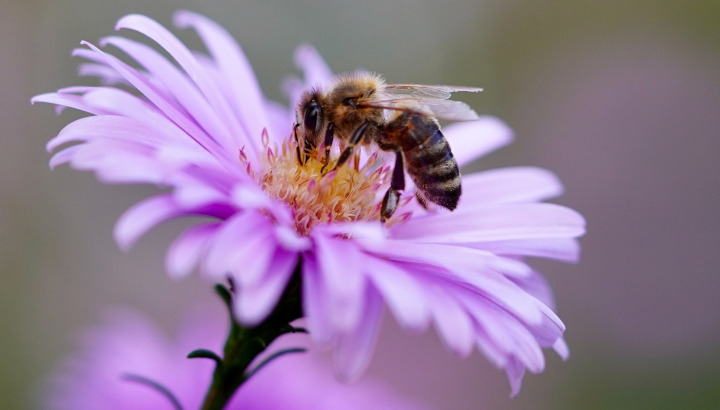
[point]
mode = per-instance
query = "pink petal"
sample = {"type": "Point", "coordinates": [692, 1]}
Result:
{"type": "Point", "coordinates": [339, 263]}
{"type": "Point", "coordinates": [177, 156]}
{"type": "Point", "coordinates": [123, 169]}
{"type": "Point", "coordinates": [502, 222]}
{"type": "Point", "coordinates": [107, 75]}
{"type": "Point", "coordinates": [316, 70]}
{"type": "Point", "coordinates": [403, 294]}
{"type": "Point", "coordinates": [289, 239]}
{"type": "Point", "coordinates": [143, 216]}
{"type": "Point", "coordinates": [452, 322]}
{"type": "Point", "coordinates": [64, 156]}
{"type": "Point", "coordinates": [255, 301]}
{"type": "Point", "coordinates": [187, 61]}
{"type": "Point", "coordinates": [457, 265]}
{"type": "Point", "coordinates": [120, 102]}
{"type": "Point", "coordinates": [549, 330]}
{"type": "Point", "coordinates": [315, 304]}
{"type": "Point", "coordinates": [248, 100]}
{"type": "Point", "coordinates": [473, 139]}
{"type": "Point", "coordinates": [185, 252]}
{"type": "Point", "coordinates": [564, 249]}
{"type": "Point", "coordinates": [561, 348]}
{"type": "Point", "coordinates": [509, 185]}
{"type": "Point", "coordinates": [354, 230]}
{"type": "Point", "coordinates": [66, 100]}
{"type": "Point", "coordinates": [180, 87]}
{"type": "Point", "coordinates": [243, 246]}
{"type": "Point", "coordinates": [509, 334]}
{"type": "Point", "coordinates": [203, 184]}
{"type": "Point", "coordinates": [195, 194]}
{"type": "Point", "coordinates": [515, 372]}
{"type": "Point", "coordinates": [450, 258]}
{"type": "Point", "coordinates": [355, 348]}
{"type": "Point", "coordinates": [280, 121]}
{"type": "Point", "coordinates": [143, 85]}
{"type": "Point", "coordinates": [537, 286]}
{"type": "Point", "coordinates": [490, 347]}
{"type": "Point", "coordinates": [87, 128]}
{"type": "Point", "coordinates": [90, 55]}
{"type": "Point", "coordinates": [250, 196]}
{"type": "Point", "coordinates": [118, 162]}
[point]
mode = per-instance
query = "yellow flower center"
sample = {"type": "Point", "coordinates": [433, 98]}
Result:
{"type": "Point", "coordinates": [320, 194]}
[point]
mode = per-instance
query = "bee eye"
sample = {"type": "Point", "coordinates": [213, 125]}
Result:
{"type": "Point", "coordinates": [352, 101]}
{"type": "Point", "coordinates": [312, 113]}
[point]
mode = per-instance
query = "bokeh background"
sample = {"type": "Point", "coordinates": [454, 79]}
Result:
{"type": "Point", "coordinates": [620, 98]}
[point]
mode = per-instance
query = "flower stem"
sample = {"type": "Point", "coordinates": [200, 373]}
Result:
{"type": "Point", "coordinates": [244, 344]}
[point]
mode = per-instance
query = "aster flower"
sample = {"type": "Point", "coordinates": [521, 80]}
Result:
{"type": "Point", "coordinates": [200, 127]}
{"type": "Point", "coordinates": [128, 363]}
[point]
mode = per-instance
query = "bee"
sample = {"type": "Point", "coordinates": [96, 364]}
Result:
{"type": "Point", "coordinates": [360, 109]}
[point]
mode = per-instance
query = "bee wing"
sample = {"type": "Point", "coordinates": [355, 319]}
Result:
{"type": "Point", "coordinates": [426, 91]}
{"type": "Point", "coordinates": [438, 107]}
{"type": "Point", "coordinates": [433, 98]}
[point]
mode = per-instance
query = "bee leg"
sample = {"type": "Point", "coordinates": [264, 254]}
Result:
{"type": "Point", "coordinates": [421, 199]}
{"type": "Point", "coordinates": [356, 137]}
{"type": "Point", "coordinates": [397, 183]}
{"type": "Point", "coordinates": [329, 135]}
{"type": "Point", "coordinates": [301, 158]}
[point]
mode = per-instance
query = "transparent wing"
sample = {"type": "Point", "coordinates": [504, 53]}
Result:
{"type": "Point", "coordinates": [428, 100]}
{"type": "Point", "coordinates": [426, 91]}
{"type": "Point", "coordinates": [437, 107]}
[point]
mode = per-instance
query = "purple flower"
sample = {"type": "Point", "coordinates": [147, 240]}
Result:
{"type": "Point", "coordinates": [200, 128]}
{"type": "Point", "coordinates": [127, 348]}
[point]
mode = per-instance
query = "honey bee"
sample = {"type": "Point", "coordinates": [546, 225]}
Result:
{"type": "Point", "coordinates": [402, 118]}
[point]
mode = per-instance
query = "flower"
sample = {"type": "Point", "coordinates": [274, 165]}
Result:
{"type": "Point", "coordinates": [200, 127]}
{"type": "Point", "coordinates": [122, 357]}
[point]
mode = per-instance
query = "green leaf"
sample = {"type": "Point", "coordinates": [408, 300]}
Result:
{"type": "Point", "coordinates": [273, 357]}
{"type": "Point", "coordinates": [155, 386]}
{"type": "Point", "coordinates": [205, 354]}
{"type": "Point", "coordinates": [225, 295]}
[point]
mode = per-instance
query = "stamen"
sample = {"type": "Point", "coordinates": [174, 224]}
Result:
{"type": "Point", "coordinates": [348, 193]}
{"type": "Point", "coordinates": [265, 138]}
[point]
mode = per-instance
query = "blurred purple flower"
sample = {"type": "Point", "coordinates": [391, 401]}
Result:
{"type": "Point", "coordinates": [96, 377]}
{"type": "Point", "coordinates": [201, 128]}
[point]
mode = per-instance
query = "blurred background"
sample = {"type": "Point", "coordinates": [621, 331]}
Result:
{"type": "Point", "coordinates": [620, 98]}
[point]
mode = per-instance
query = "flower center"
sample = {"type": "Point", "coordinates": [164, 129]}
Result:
{"type": "Point", "coordinates": [320, 194]}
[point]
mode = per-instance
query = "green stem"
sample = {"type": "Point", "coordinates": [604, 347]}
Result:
{"type": "Point", "coordinates": [243, 345]}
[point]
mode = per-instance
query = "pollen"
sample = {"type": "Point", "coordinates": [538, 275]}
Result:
{"type": "Point", "coordinates": [319, 193]}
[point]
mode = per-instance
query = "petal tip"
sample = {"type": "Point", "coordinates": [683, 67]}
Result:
{"type": "Point", "coordinates": [183, 18]}
{"type": "Point", "coordinates": [127, 19]}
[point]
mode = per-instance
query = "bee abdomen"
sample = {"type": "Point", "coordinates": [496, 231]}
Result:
{"type": "Point", "coordinates": [431, 151]}
{"type": "Point", "coordinates": [434, 170]}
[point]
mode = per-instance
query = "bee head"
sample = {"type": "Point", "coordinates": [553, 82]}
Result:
{"type": "Point", "coordinates": [311, 117]}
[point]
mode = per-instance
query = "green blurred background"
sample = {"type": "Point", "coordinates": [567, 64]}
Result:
{"type": "Point", "coordinates": [620, 98]}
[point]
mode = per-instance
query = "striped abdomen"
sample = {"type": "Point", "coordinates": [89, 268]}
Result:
{"type": "Point", "coordinates": [430, 162]}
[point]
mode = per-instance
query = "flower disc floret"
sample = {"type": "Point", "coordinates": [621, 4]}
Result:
{"type": "Point", "coordinates": [318, 193]}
